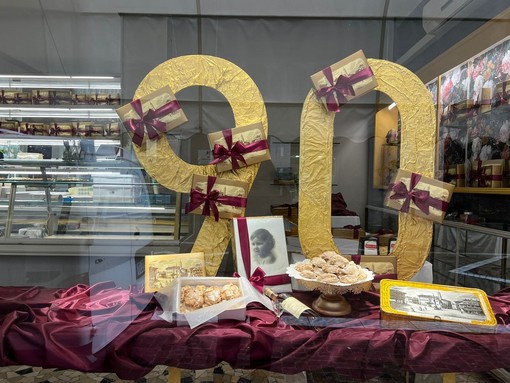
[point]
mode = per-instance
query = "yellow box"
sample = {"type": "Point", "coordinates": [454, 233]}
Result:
{"type": "Point", "coordinates": [162, 269]}
{"type": "Point", "coordinates": [414, 194]}
{"type": "Point", "coordinates": [455, 175]}
{"type": "Point", "coordinates": [348, 233]}
{"type": "Point", "coordinates": [431, 302]}
{"type": "Point", "coordinates": [248, 142]}
{"type": "Point", "coordinates": [349, 67]}
{"type": "Point", "coordinates": [230, 197]}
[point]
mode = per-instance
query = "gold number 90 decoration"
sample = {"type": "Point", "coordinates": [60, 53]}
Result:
{"type": "Point", "coordinates": [416, 154]}
{"type": "Point", "coordinates": [175, 174]}
{"type": "Point", "coordinates": [316, 145]}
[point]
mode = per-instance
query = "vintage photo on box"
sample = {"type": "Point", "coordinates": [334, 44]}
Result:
{"type": "Point", "coordinates": [437, 304]}
{"type": "Point", "coordinates": [162, 269]}
{"type": "Point", "coordinates": [262, 239]}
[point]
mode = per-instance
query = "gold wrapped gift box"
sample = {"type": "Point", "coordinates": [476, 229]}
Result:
{"type": "Point", "coordinates": [455, 175]}
{"type": "Point", "coordinates": [489, 174]}
{"type": "Point", "coordinates": [247, 146]}
{"type": "Point", "coordinates": [223, 189]}
{"type": "Point", "coordinates": [356, 73]}
{"type": "Point", "coordinates": [420, 196]}
{"type": "Point", "coordinates": [154, 103]}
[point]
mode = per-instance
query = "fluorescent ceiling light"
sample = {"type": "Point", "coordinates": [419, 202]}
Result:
{"type": "Point", "coordinates": [57, 77]}
{"type": "Point", "coordinates": [392, 105]}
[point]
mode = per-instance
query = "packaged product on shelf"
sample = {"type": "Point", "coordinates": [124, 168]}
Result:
{"type": "Point", "coordinates": [260, 251]}
{"type": "Point", "coordinates": [83, 128]}
{"type": "Point", "coordinates": [485, 100]}
{"type": "Point", "coordinates": [38, 129]}
{"type": "Point", "coordinates": [96, 130]}
{"type": "Point", "coordinates": [62, 97]}
{"type": "Point", "coordinates": [62, 129]}
{"type": "Point", "coordinates": [459, 112]}
{"type": "Point", "coordinates": [501, 93]}
{"type": "Point", "coordinates": [9, 96]}
{"type": "Point", "coordinates": [11, 126]}
{"type": "Point", "coordinates": [431, 302]}
{"type": "Point", "coordinates": [455, 175]}
{"type": "Point", "coordinates": [162, 269]}
{"type": "Point", "coordinates": [23, 98]}
{"type": "Point", "coordinates": [343, 81]}
{"type": "Point", "coordinates": [81, 99]}
{"type": "Point", "coordinates": [152, 115]}
{"type": "Point", "coordinates": [239, 147]}
{"type": "Point", "coordinates": [217, 197]}
{"type": "Point", "coordinates": [348, 232]}
{"type": "Point", "coordinates": [106, 99]}
{"type": "Point", "coordinates": [488, 174]}
{"type": "Point", "coordinates": [113, 129]}
{"type": "Point", "coordinates": [421, 196]}
{"type": "Point", "coordinates": [41, 96]}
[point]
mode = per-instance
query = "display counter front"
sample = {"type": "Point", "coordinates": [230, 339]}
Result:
{"type": "Point", "coordinates": [103, 328]}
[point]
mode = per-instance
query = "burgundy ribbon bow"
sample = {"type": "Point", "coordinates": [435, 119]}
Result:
{"type": "Point", "coordinates": [355, 228]}
{"type": "Point", "coordinates": [235, 151]}
{"type": "Point", "coordinates": [258, 279]}
{"type": "Point", "coordinates": [421, 198]}
{"type": "Point", "coordinates": [149, 121]}
{"type": "Point", "coordinates": [337, 91]}
{"type": "Point", "coordinates": [210, 198]}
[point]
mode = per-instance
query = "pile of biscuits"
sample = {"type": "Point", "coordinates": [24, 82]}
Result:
{"type": "Point", "coordinates": [331, 267]}
{"type": "Point", "coordinates": [199, 296]}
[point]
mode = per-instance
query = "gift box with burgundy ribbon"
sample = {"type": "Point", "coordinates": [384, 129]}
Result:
{"type": "Point", "coordinates": [348, 232]}
{"type": "Point", "coordinates": [152, 116]}
{"type": "Point", "coordinates": [455, 175]}
{"type": "Point", "coordinates": [501, 94]}
{"type": "Point", "coordinates": [417, 195]}
{"type": "Point", "coordinates": [239, 147]}
{"type": "Point", "coordinates": [343, 81]}
{"type": "Point", "coordinates": [260, 252]}
{"type": "Point", "coordinates": [488, 174]}
{"type": "Point", "coordinates": [217, 197]}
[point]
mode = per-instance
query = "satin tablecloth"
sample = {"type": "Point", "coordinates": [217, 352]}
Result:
{"type": "Point", "coordinates": [103, 328]}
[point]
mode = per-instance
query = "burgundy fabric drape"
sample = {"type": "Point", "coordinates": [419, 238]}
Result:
{"type": "Point", "coordinates": [103, 328]}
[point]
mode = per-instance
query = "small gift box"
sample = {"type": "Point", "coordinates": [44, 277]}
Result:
{"type": "Point", "coordinates": [485, 100]}
{"type": "Point", "coordinates": [81, 99]}
{"type": "Point", "coordinates": [289, 211]}
{"type": "Point", "coordinates": [41, 97]}
{"type": "Point", "coordinates": [112, 129]}
{"type": "Point", "coordinates": [420, 196]}
{"type": "Point", "coordinates": [260, 252]}
{"type": "Point", "coordinates": [343, 81]}
{"type": "Point", "coordinates": [488, 174]}
{"type": "Point", "coordinates": [152, 115]}
{"type": "Point", "coordinates": [106, 99]}
{"type": "Point", "coordinates": [455, 175]}
{"type": "Point", "coordinates": [217, 197]}
{"type": "Point", "coordinates": [432, 302]}
{"type": "Point", "coordinates": [83, 129]}
{"type": "Point", "coordinates": [239, 147]}
{"type": "Point", "coordinates": [62, 129]}
{"type": "Point", "coordinates": [459, 112]}
{"type": "Point", "coordinates": [349, 232]}
{"type": "Point", "coordinates": [9, 96]}
{"type": "Point", "coordinates": [38, 129]}
{"type": "Point", "coordinates": [501, 94]}
{"type": "Point", "coordinates": [162, 269]}
{"type": "Point", "coordinates": [62, 97]}
{"type": "Point", "coordinates": [23, 98]}
{"type": "Point", "coordinates": [12, 126]}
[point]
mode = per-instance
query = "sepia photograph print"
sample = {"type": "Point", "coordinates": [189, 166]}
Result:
{"type": "Point", "coordinates": [162, 269]}
{"type": "Point", "coordinates": [436, 302]}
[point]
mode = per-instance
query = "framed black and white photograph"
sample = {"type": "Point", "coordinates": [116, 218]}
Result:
{"type": "Point", "coordinates": [259, 242]}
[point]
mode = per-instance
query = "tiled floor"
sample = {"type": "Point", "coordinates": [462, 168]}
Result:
{"type": "Point", "coordinates": [223, 373]}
